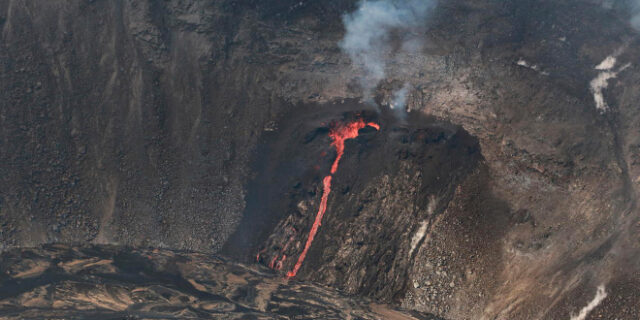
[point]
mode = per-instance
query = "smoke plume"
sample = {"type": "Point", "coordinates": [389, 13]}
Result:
{"type": "Point", "coordinates": [635, 14]}
{"type": "Point", "coordinates": [628, 6]}
{"type": "Point", "coordinates": [399, 101]}
{"type": "Point", "coordinates": [377, 30]}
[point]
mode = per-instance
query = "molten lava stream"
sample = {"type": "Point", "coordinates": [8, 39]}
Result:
{"type": "Point", "coordinates": [339, 133]}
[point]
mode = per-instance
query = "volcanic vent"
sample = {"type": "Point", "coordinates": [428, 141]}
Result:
{"type": "Point", "coordinates": [342, 194]}
{"type": "Point", "coordinates": [339, 133]}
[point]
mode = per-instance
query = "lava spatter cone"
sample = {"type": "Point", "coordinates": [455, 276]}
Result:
{"type": "Point", "coordinates": [339, 133]}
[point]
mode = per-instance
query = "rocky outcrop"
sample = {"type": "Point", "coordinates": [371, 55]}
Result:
{"type": "Point", "coordinates": [113, 282]}
{"type": "Point", "coordinates": [390, 187]}
{"type": "Point", "coordinates": [142, 123]}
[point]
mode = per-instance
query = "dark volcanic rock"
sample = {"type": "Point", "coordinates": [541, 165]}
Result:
{"type": "Point", "coordinates": [189, 124]}
{"type": "Point", "coordinates": [390, 187]}
{"type": "Point", "coordinates": [106, 282]}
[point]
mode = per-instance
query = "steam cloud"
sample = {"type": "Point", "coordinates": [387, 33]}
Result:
{"type": "Point", "coordinates": [399, 101]}
{"type": "Point", "coordinates": [371, 33]}
{"type": "Point", "coordinates": [635, 12]}
{"type": "Point", "coordinates": [631, 6]}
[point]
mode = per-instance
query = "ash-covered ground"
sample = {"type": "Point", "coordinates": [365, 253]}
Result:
{"type": "Point", "coordinates": [502, 183]}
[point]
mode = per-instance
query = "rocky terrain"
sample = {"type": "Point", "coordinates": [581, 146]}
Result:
{"type": "Point", "coordinates": [508, 192]}
{"type": "Point", "coordinates": [106, 282]}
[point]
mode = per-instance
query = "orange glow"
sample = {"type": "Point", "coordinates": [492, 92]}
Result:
{"type": "Point", "coordinates": [338, 133]}
{"type": "Point", "coordinates": [314, 228]}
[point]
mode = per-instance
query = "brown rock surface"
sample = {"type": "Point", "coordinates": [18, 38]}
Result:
{"type": "Point", "coordinates": [150, 123]}
{"type": "Point", "coordinates": [106, 282]}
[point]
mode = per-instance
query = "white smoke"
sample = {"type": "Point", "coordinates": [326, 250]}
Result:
{"type": "Point", "coordinates": [399, 101]}
{"type": "Point", "coordinates": [600, 295]}
{"type": "Point", "coordinates": [370, 29]}
{"type": "Point", "coordinates": [635, 14]}
{"type": "Point", "coordinates": [630, 6]}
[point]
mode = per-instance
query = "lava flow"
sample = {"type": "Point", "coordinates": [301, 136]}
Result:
{"type": "Point", "coordinates": [338, 133]}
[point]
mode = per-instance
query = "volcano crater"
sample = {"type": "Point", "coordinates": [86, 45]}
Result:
{"type": "Point", "coordinates": [390, 185]}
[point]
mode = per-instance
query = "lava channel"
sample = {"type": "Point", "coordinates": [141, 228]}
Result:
{"type": "Point", "coordinates": [338, 134]}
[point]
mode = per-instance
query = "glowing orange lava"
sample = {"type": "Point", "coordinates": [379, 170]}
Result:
{"type": "Point", "coordinates": [338, 133]}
